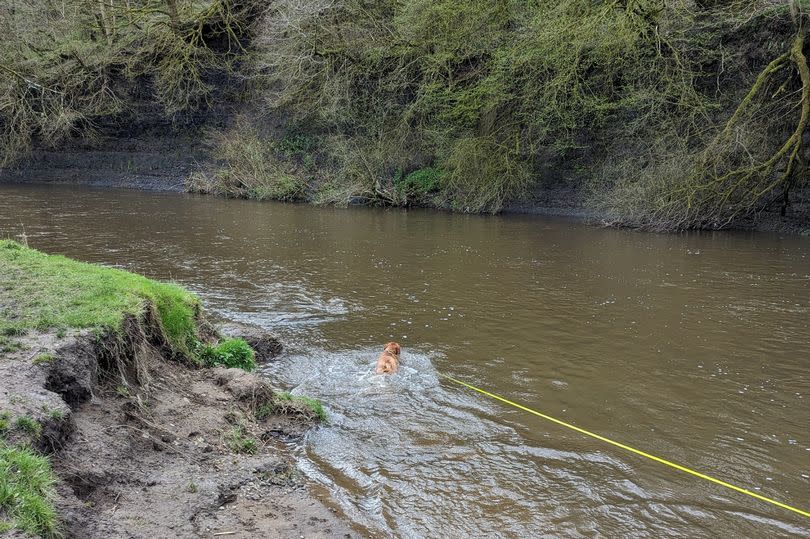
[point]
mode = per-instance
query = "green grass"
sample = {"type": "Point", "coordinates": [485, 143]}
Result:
{"type": "Point", "coordinates": [5, 422]}
{"type": "Point", "coordinates": [239, 442]}
{"type": "Point", "coordinates": [26, 492]}
{"type": "Point", "coordinates": [41, 292]}
{"type": "Point", "coordinates": [29, 425]}
{"type": "Point", "coordinates": [43, 358]}
{"type": "Point", "coordinates": [263, 411]}
{"type": "Point", "coordinates": [8, 345]}
{"type": "Point", "coordinates": [229, 353]}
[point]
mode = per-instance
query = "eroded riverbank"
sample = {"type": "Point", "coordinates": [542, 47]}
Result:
{"type": "Point", "coordinates": [143, 442]}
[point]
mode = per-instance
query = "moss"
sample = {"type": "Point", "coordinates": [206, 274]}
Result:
{"type": "Point", "coordinates": [232, 353]}
{"type": "Point", "coordinates": [40, 292]}
{"type": "Point", "coordinates": [27, 491]}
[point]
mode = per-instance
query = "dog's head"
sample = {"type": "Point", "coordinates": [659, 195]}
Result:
{"type": "Point", "coordinates": [392, 347]}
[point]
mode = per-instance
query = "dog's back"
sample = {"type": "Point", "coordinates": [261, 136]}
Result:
{"type": "Point", "coordinates": [388, 362]}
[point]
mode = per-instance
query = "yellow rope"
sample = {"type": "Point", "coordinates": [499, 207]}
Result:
{"type": "Point", "coordinates": [632, 449]}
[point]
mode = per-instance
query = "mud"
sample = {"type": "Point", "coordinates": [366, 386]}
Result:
{"type": "Point", "coordinates": [159, 451]}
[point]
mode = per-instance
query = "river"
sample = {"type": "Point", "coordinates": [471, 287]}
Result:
{"type": "Point", "coordinates": [694, 347]}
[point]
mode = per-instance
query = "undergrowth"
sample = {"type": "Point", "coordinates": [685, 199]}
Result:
{"type": "Point", "coordinates": [66, 67]}
{"type": "Point", "coordinates": [661, 101]}
{"type": "Point", "coordinates": [419, 186]}
{"type": "Point", "coordinates": [252, 166]}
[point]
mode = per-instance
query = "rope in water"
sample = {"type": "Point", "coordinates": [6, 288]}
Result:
{"type": "Point", "coordinates": [632, 449]}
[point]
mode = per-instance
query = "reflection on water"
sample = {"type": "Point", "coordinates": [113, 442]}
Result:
{"type": "Point", "coordinates": [693, 347]}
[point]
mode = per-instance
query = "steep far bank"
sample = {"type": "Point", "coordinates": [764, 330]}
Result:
{"type": "Point", "coordinates": [103, 373]}
{"type": "Point", "coordinates": [151, 164]}
{"type": "Point", "coordinates": [663, 116]}
{"type": "Point", "coordinates": [165, 164]}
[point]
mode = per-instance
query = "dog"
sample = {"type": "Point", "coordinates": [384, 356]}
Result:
{"type": "Point", "coordinates": [388, 363]}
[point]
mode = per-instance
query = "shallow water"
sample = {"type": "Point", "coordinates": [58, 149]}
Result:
{"type": "Point", "coordinates": [694, 347]}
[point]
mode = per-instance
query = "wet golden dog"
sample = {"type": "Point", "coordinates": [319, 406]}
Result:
{"type": "Point", "coordinates": [388, 363]}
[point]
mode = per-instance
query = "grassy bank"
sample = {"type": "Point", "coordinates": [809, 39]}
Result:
{"type": "Point", "coordinates": [41, 292]}
{"type": "Point", "coordinates": [668, 114]}
{"type": "Point", "coordinates": [48, 292]}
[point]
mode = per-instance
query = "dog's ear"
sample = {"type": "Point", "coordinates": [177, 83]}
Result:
{"type": "Point", "coordinates": [394, 346]}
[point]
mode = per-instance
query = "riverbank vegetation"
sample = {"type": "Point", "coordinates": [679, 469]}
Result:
{"type": "Point", "coordinates": [232, 353]}
{"type": "Point", "coordinates": [286, 403]}
{"type": "Point", "coordinates": [40, 292]}
{"type": "Point", "coordinates": [75, 68]}
{"type": "Point", "coordinates": [666, 114]}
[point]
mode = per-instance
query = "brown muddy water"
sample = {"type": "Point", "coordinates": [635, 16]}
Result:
{"type": "Point", "coordinates": [694, 347]}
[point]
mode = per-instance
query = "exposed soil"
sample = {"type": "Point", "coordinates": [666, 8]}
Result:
{"type": "Point", "coordinates": [149, 164]}
{"type": "Point", "coordinates": [164, 456]}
